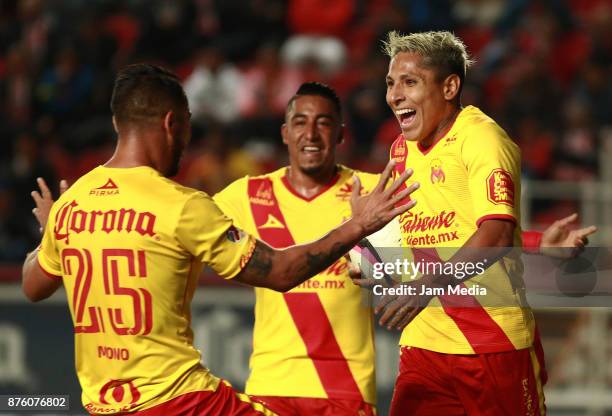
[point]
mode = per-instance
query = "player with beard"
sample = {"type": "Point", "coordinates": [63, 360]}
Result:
{"type": "Point", "coordinates": [128, 244]}
{"type": "Point", "coordinates": [313, 347]}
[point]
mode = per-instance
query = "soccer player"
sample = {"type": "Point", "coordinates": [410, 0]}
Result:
{"type": "Point", "coordinates": [128, 245]}
{"type": "Point", "coordinates": [313, 347]}
{"type": "Point", "coordinates": [307, 356]}
{"type": "Point", "coordinates": [458, 360]}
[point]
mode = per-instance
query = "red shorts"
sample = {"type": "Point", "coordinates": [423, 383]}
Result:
{"type": "Point", "coordinates": [431, 383]}
{"type": "Point", "coordinates": [225, 401]}
{"type": "Point", "coordinates": [298, 406]}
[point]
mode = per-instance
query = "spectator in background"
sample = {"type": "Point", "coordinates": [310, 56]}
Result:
{"type": "Point", "coordinates": [26, 163]}
{"type": "Point", "coordinates": [65, 87]}
{"type": "Point", "coordinates": [168, 31]}
{"type": "Point", "coordinates": [267, 84]}
{"type": "Point", "coordinates": [212, 88]}
{"type": "Point", "coordinates": [16, 87]}
{"type": "Point", "coordinates": [318, 26]}
{"type": "Point", "coordinates": [367, 108]}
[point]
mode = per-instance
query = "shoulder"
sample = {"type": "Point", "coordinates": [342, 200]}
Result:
{"type": "Point", "coordinates": [476, 130]}
{"type": "Point", "coordinates": [368, 180]}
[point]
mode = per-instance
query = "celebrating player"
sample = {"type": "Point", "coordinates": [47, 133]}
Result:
{"type": "Point", "coordinates": [313, 347]}
{"type": "Point", "coordinates": [458, 360]}
{"type": "Point", "coordinates": [309, 356]}
{"type": "Point", "coordinates": [128, 244]}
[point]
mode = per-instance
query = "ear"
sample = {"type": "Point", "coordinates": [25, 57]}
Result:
{"type": "Point", "coordinates": [115, 125]}
{"type": "Point", "coordinates": [168, 121]}
{"type": "Point", "coordinates": [341, 133]}
{"type": "Point", "coordinates": [284, 133]}
{"type": "Point", "coordinates": [451, 86]}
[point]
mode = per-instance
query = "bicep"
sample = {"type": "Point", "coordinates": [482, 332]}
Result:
{"type": "Point", "coordinates": [495, 233]}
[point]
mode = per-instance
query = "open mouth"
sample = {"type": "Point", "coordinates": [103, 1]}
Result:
{"type": "Point", "coordinates": [406, 116]}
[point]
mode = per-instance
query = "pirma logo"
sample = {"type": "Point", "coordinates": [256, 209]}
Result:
{"type": "Point", "coordinates": [109, 188]}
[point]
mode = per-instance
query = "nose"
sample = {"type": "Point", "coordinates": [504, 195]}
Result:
{"type": "Point", "coordinates": [395, 95]}
{"type": "Point", "coordinates": [311, 130]}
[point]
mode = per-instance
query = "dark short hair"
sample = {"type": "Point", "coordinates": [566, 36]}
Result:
{"type": "Point", "coordinates": [143, 91]}
{"type": "Point", "coordinates": [320, 89]}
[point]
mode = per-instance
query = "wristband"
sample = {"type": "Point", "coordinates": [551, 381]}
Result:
{"type": "Point", "coordinates": [532, 241]}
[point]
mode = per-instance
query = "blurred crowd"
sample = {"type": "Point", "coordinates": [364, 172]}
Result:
{"type": "Point", "coordinates": [543, 72]}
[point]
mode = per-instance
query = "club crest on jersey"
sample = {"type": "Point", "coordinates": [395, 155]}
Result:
{"type": "Point", "coordinates": [263, 196]}
{"type": "Point", "coordinates": [234, 234]}
{"type": "Point", "coordinates": [437, 174]}
{"type": "Point", "coordinates": [399, 151]}
{"type": "Point", "coordinates": [500, 187]}
{"type": "Point", "coordinates": [109, 188]}
{"type": "Point", "coordinates": [122, 394]}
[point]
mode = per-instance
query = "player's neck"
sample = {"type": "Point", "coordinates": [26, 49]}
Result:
{"type": "Point", "coordinates": [310, 184]}
{"type": "Point", "coordinates": [442, 129]}
{"type": "Point", "coordinates": [131, 153]}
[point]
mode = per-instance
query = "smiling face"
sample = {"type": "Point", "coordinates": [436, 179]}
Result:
{"type": "Point", "coordinates": [311, 131]}
{"type": "Point", "coordinates": [420, 99]}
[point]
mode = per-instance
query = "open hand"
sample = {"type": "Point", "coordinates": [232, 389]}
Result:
{"type": "Point", "coordinates": [374, 210]}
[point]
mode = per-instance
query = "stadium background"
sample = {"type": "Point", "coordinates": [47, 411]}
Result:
{"type": "Point", "coordinates": [543, 72]}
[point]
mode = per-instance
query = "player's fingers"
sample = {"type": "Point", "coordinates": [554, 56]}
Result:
{"type": "Point", "coordinates": [583, 232]}
{"type": "Point", "coordinates": [389, 312]}
{"type": "Point", "coordinates": [384, 177]}
{"type": "Point", "coordinates": [399, 196]}
{"type": "Point", "coordinates": [354, 271]}
{"type": "Point", "coordinates": [383, 302]}
{"type": "Point", "coordinates": [399, 315]}
{"type": "Point", "coordinates": [403, 208]}
{"type": "Point", "coordinates": [36, 197]}
{"type": "Point", "coordinates": [63, 186]}
{"type": "Point", "coordinates": [44, 189]}
{"type": "Point", "coordinates": [356, 188]}
{"type": "Point", "coordinates": [399, 182]}
{"type": "Point", "coordinates": [567, 220]}
{"type": "Point", "coordinates": [367, 283]}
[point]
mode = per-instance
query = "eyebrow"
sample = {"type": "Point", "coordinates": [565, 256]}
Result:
{"type": "Point", "coordinates": [404, 76]}
{"type": "Point", "coordinates": [323, 115]}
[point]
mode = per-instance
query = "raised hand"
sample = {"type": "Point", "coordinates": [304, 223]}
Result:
{"type": "Point", "coordinates": [44, 201]}
{"type": "Point", "coordinates": [374, 210]}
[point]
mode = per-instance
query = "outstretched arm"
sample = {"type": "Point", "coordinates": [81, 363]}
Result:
{"type": "Point", "coordinates": [284, 269]}
{"type": "Point", "coordinates": [558, 240]}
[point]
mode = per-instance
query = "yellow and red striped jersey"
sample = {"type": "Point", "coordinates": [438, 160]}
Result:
{"type": "Point", "coordinates": [470, 175]}
{"type": "Point", "coordinates": [129, 246]}
{"type": "Point", "coordinates": [317, 339]}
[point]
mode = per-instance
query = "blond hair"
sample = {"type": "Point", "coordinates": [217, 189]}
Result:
{"type": "Point", "coordinates": [442, 51]}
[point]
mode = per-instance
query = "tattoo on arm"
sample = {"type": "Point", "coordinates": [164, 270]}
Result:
{"type": "Point", "coordinates": [318, 261]}
{"type": "Point", "coordinates": [260, 263]}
